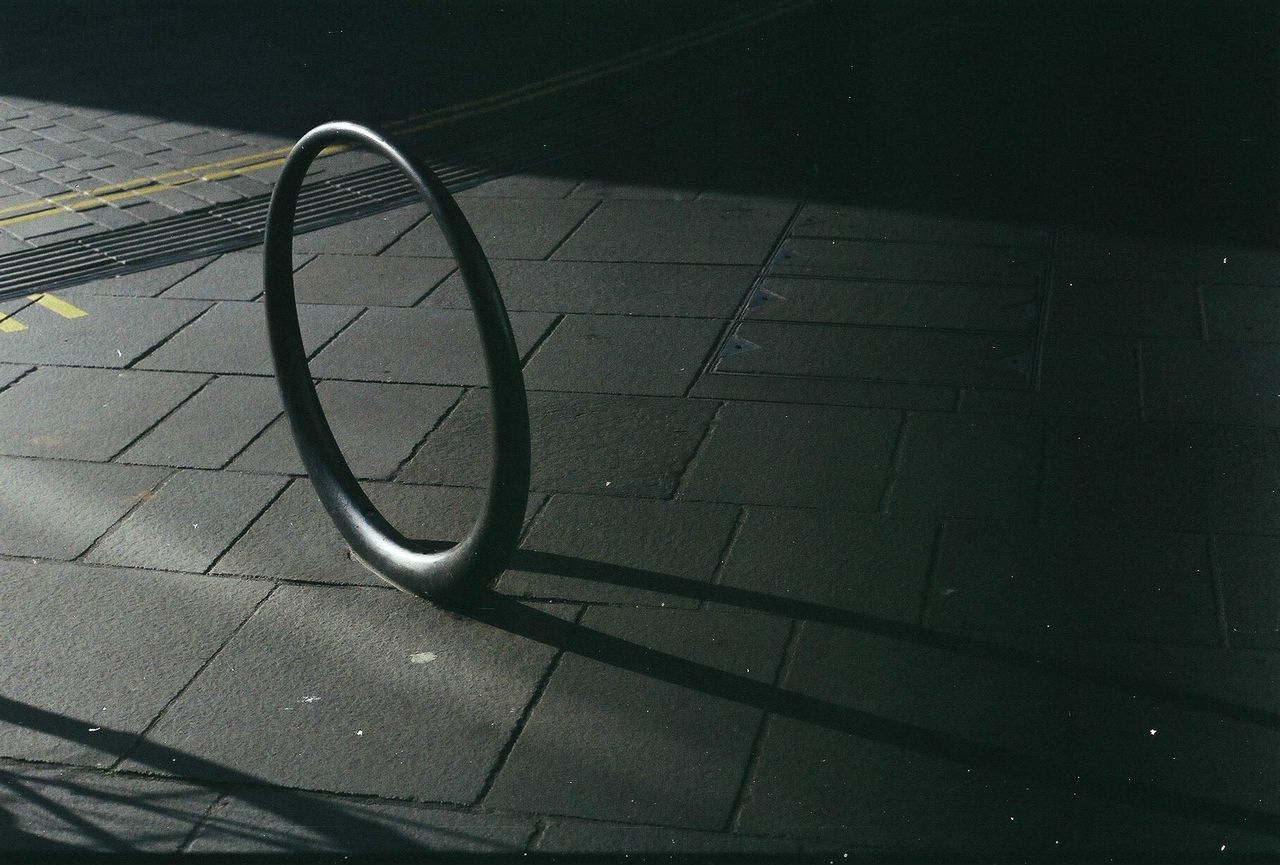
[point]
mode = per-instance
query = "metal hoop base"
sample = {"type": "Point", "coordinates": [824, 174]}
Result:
{"type": "Point", "coordinates": [420, 567]}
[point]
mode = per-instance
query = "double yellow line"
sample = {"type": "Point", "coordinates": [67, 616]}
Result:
{"type": "Point", "coordinates": [101, 196]}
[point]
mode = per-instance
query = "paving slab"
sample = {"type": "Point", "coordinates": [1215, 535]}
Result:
{"type": "Point", "coordinates": [1009, 309]}
{"type": "Point", "coordinates": [1048, 585]}
{"type": "Point", "coordinates": [94, 654]}
{"type": "Point", "coordinates": [598, 549]}
{"type": "Point", "coordinates": [1125, 308]}
{"type": "Point", "coordinates": [889, 767]}
{"type": "Point", "coordinates": [824, 220]}
{"type": "Point", "coordinates": [145, 283]}
{"type": "Point", "coordinates": [1114, 256]}
{"type": "Point", "coordinates": [968, 466]}
{"type": "Point", "coordinates": [1213, 382]}
{"type": "Point", "coordinates": [794, 455]}
{"type": "Point", "coordinates": [115, 331]}
{"type": "Point", "coordinates": [693, 290]}
{"type": "Point", "coordinates": [1080, 375]}
{"type": "Point", "coordinates": [236, 407]}
{"type": "Point", "coordinates": [230, 276]}
{"type": "Point", "coordinates": [505, 227]}
{"type": "Point", "coordinates": [367, 236]}
{"type": "Point", "coordinates": [376, 425]}
{"type": "Point", "coordinates": [586, 443]}
{"type": "Point", "coordinates": [865, 563]}
{"type": "Point", "coordinates": [353, 690]}
{"type": "Point", "coordinates": [1190, 477]}
{"type": "Point", "coordinates": [690, 232]}
{"type": "Point", "coordinates": [1244, 313]}
{"type": "Point", "coordinates": [86, 414]}
{"type": "Point", "coordinates": [622, 354]}
{"type": "Point", "coordinates": [1246, 567]}
{"type": "Point", "coordinates": [900, 354]}
{"type": "Point", "coordinates": [296, 540]}
{"type": "Point", "coordinates": [287, 822]}
{"type": "Point", "coordinates": [1180, 748]}
{"type": "Point", "coordinates": [57, 509]}
{"type": "Point", "coordinates": [188, 522]}
{"type": "Point", "coordinates": [521, 186]}
{"type": "Point", "coordinates": [232, 338]}
{"type": "Point", "coordinates": [423, 346]}
{"type": "Point", "coordinates": [11, 372]}
{"type": "Point", "coordinates": [608, 743]}
{"type": "Point", "coordinates": [369, 280]}
{"type": "Point", "coordinates": [862, 259]}
{"type": "Point", "coordinates": [51, 809]}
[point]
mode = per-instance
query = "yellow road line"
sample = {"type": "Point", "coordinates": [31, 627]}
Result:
{"type": "Point", "coordinates": [89, 199]}
{"type": "Point", "coordinates": [10, 325]}
{"type": "Point", "coordinates": [61, 307]}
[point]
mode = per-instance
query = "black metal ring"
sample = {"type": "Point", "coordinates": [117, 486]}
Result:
{"type": "Point", "coordinates": [428, 569]}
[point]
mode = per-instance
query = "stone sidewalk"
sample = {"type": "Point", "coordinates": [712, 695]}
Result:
{"type": "Point", "coordinates": [852, 532]}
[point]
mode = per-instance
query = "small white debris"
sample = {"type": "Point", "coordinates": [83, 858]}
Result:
{"type": "Point", "coordinates": [94, 729]}
{"type": "Point", "coordinates": [359, 732]}
{"type": "Point", "coordinates": [422, 657]}
{"type": "Point", "coordinates": [606, 483]}
{"type": "Point", "coordinates": [1152, 732]}
{"type": "Point", "coordinates": [119, 353]}
{"type": "Point", "coordinates": [195, 525]}
{"type": "Point", "coordinates": [309, 700]}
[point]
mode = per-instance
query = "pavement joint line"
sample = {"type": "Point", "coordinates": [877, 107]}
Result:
{"type": "Point", "coordinates": [198, 826]}
{"type": "Point", "coordinates": [1141, 371]}
{"type": "Point", "coordinates": [1050, 252]}
{"type": "Point", "coordinates": [133, 509]}
{"type": "Point", "coordinates": [726, 550]}
{"type": "Point", "coordinates": [572, 231]}
{"type": "Point", "coordinates": [757, 742]}
{"type": "Point", "coordinates": [554, 664]}
{"type": "Point", "coordinates": [931, 572]}
{"type": "Point", "coordinates": [697, 451]}
{"type": "Point", "coordinates": [167, 415]}
{"type": "Point", "coordinates": [142, 734]}
{"type": "Point", "coordinates": [133, 364]}
{"type": "Point", "coordinates": [895, 462]}
{"type": "Point", "coordinates": [394, 475]}
{"type": "Point", "coordinates": [137, 187]}
{"type": "Point", "coordinates": [284, 485]}
{"type": "Point", "coordinates": [1219, 599]}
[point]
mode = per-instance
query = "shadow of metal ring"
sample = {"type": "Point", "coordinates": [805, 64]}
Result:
{"type": "Point", "coordinates": [428, 569]}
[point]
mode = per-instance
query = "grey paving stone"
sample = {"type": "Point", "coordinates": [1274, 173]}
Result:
{"type": "Point", "coordinates": [295, 539]}
{"type": "Point", "coordinates": [968, 466]}
{"type": "Point", "coordinates": [609, 550]}
{"type": "Point", "coordinates": [1139, 739]}
{"type": "Point", "coordinates": [796, 455]}
{"type": "Point", "coordinates": [695, 290]}
{"type": "Point", "coordinates": [1147, 308]}
{"type": "Point", "coordinates": [902, 304]}
{"type": "Point", "coordinates": [861, 259]}
{"type": "Point", "coordinates": [1242, 312]}
{"type": "Point", "coordinates": [103, 648]}
{"type": "Point", "coordinates": [823, 220]}
{"type": "Point", "coordinates": [585, 837]}
{"type": "Point", "coordinates": [521, 186]}
{"type": "Point", "coordinates": [367, 280]}
{"type": "Point", "coordinates": [853, 392]}
{"type": "Point", "coordinates": [114, 333]}
{"type": "Point", "coordinates": [1080, 374]}
{"type": "Point", "coordinates": [622, 354]}
{"type": "Point", "coordinates": [201, 143]}
{"type": "Point", "coordinates": [210, 428]}
{"type": "Point", "coordinates": [1214, 382]}
{"type": "Point", "coordinates": [1051, 584]}
{"type": "Point", "coordinates": [112, 217]}
{"type": "Point", "coordinates": [587, 443]}
{"type": "Point", "coordinates": [692, 232]}
{"type": "Point", "coordinates": [640, 748]}
{"type": "Point", "coordinates": [231, 276]}
{"type": "Point", "coordinates": [86, 414]}
{"type": "Point", "coordinates": [423, 346]}
{"type": "Point", "coordinates": [916, 356]}
{"type": "Point", "coordinates": [59, 809]}
{"type": "Point", "coordinates": [47, 225]}
{"type": "Point", "coordinates": [232, 338]}
{"type": "Point", "coordinates": [1164, 476]}
{"type": "Point", "coordinates": [505, 227]}
{"type": "Point", "coordinates": [867, 563]}
{"type": "Point", "coordinates": [353, 690]}
{"type": "Point", "coordinates": [376, 425]}
{"type": "Point", "coordinates": [1082, 254]}
{"type": "Point", "coordinates": [888, 768]}
{"type": "Point", "coordinates": [284, 822]}
{"type": "Point", "coordinates": [1247, 567]}
{"type": "Point", "coordinates": [57, 509]}
{"type": "Point", "coordinates": [367, 236]}
{"type": "Point", "coordinates": [188, 522]}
